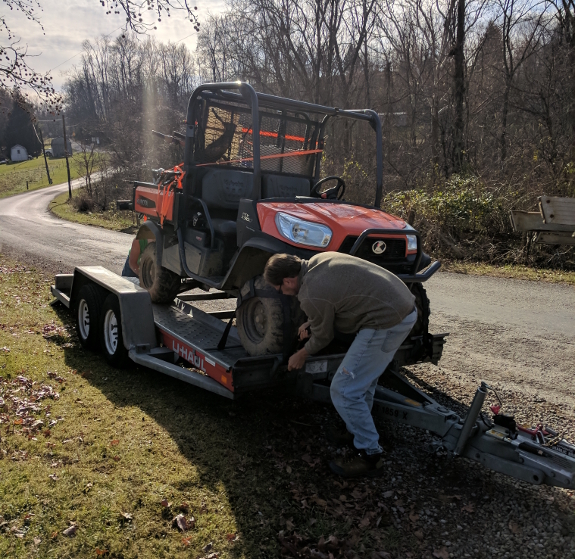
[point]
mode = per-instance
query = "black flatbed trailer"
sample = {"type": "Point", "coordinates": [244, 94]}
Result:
{"type": "Point", "coordinates": [164, 337]}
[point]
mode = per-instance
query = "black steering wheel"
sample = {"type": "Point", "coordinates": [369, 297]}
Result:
{"type": "Point", "coordinates": [332, 193]}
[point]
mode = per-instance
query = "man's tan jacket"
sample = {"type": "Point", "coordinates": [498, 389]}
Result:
{"type": "Point", "coordinates": [345, 293]}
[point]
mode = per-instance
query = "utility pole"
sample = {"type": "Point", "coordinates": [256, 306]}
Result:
{"type": "Point", "coordinates": [41, 140]}
{"type": "Point", "coordinates": [66, 154]}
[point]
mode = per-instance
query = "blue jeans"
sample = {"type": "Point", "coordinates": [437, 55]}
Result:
{"type": "Point", "coordinates": [353, 385]}
{"type": "Point", "coordinates": [127, 271]}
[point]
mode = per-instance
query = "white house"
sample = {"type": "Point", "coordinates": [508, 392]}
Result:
{"type": "Point", "coordinates": [18, 153]}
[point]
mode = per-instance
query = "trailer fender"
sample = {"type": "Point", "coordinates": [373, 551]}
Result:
{"type": "Point", "coordinates": [135, 304]}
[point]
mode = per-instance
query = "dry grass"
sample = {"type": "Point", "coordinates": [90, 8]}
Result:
{"type": "Point", "coordinates": [515, 271]}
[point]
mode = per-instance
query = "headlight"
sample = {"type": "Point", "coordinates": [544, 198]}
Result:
{"type": "Point", "coordinates": [303, 232]}
{"type": "Point", "coordinates": [411, 242]}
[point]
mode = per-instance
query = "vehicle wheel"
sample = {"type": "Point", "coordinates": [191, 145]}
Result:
{"type": "Point", "coordinates": [112, 341]}
{"type": "Point", "coordinates": [88, 309]}
{"type": "Point", "coordinates": [259, 321]}
{"type": "Point", "coordinates": [162, 284]}
{"type": "Point", "coordinates": [421, 326]}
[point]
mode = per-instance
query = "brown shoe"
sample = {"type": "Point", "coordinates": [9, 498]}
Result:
{"type": "Point", "coordinates": [362, 464]}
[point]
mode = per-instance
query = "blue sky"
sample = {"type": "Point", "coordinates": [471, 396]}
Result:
{"type": "Point", "coordinates": [67, 23]}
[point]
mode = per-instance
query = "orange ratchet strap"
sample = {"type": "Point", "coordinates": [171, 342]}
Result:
{"type": "Point", "coordinates": [291, 154]}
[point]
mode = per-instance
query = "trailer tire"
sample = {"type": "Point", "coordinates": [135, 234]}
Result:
{"type": "Point", "coordinates": [112, 340]}
{"type": "Point", "coordinates": [259, 321]}
{"type": "Point", "coordinates": [162, 284]}
{"type": "Point", "coordinates": [88, 309]}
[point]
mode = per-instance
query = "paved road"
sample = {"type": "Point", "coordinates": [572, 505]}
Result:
{"type": "Point", "coordinates": [502, 330]}
{"type": "Point", "coordinates": [27, 227]}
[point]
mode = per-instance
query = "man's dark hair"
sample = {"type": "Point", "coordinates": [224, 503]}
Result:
{"type": "Point", "coordinates": [281, 266]}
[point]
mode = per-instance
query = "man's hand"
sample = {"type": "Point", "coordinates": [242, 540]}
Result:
{"type": "Point", "coordinates": [303, 331]}
{"type": "Point", "coordinates": [297, 360]}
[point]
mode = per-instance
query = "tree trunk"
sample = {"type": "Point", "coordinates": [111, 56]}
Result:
{"type": "Point", "coordinates": [459, 88]}
{"type": "Point", "coordinates": [504, 112]}
{"type": "Point", "coordinates": [434, 132]}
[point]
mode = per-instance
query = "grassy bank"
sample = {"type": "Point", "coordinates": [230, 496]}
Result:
{"type": "Point", "coordinates": [112, 219]}
{"type": "Point", "coordinates": [512, 271]}
{"type": "Point", "coordinates": [13, 176]}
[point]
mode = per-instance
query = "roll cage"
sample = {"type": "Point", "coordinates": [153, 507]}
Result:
{"type": "Point", "coordinates": [231, 114]}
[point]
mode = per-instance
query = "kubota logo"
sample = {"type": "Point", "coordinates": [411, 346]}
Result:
{"type": "Point", "coordinates": [145, 202]}
{"type": "Point", "coordinates": [378, 247]}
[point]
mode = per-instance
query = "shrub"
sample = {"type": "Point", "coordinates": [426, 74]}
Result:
{"type": "Point", "coordinates": [463, 218]}
{"type": "Point", "coordinates": [83, 203]}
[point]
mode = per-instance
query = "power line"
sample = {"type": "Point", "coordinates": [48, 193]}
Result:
{"type": "Point", "coordinates": [180, 40]}
{"type": "Point", "coordinates": [82, 51]}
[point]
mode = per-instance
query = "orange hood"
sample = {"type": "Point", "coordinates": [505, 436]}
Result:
{"type": "Point", "coordinates": [343, 219]}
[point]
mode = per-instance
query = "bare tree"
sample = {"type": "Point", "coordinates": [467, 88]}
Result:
{"type": "Point", "coordinates": [16, 74]}
{"type": "Point", "coordinates": [86, 162]}
{"type": "Point", "coordinates": [15, 69]}
{"type": "Point", "coordinates": [522, 25]}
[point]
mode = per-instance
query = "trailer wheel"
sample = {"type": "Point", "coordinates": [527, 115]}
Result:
{"type": "Point", "coordinates": [259, 321]}
{"type": "Point", "coordinates": [88, 309]}
{"type": "Point", "coordinates": [162, 284]}
{"type": "Point", "coordinates": [112, 340]}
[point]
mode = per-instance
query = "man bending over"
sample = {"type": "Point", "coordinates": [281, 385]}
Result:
{"type": "Point", "coordinates": [339, 292]}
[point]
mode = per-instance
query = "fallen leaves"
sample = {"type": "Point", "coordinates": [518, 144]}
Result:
{"type": "Point", "coordinates": [182, 523]}
{"type": "Point", "coordinates": [514, 527]}
{"type": "Point", "coordinates": [441, 553]}
{"type": "Point", "coordinates": [70, 531]}
{"type": "Point", "coordinates": [232, 537]}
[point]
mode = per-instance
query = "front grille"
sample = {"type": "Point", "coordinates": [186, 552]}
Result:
{"type": "Point", "coordinates": [394, 252]}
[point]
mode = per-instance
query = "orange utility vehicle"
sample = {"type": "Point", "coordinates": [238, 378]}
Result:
{"type": "Point", "coordinates": [251, 186]}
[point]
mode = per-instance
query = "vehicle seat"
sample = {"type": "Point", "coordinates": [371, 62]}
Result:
{"type": "Point", "coordinates": [222, 190]}
{"type": "Point", "coordinates": [281, 186]}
